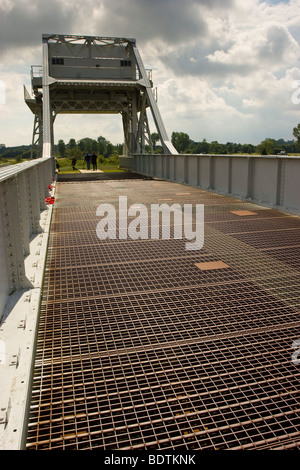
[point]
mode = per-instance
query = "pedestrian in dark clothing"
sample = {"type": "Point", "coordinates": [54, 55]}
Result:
{"type": "Point", "coordinates": [88, 160]}
{"type": "Point", "coordinates": [57, 165]}
{"type": "Point", "coordinates": [94, 161]}
{"type": "Point", "coordinates": [74, 163]}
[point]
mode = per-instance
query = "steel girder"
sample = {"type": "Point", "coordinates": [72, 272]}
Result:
{"type": "Point", "coordinates": [61, 90]}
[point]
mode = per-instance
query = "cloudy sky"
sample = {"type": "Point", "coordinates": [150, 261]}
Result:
{"type": "Point", "coordinates": [224, 69]}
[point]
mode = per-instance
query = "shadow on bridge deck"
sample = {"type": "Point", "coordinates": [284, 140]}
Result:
{"type": "Point", "coordinates": [93, 176]}
{"type": "Point", "coordinates": [140, 348]}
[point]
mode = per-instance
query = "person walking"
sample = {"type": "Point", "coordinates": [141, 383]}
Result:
{"type": "Point", "coordinates": [94, 161]}
{"type": "Point", "coordinates": [74, 163]}
{"type": "Point", "coordinates": [88, 160]}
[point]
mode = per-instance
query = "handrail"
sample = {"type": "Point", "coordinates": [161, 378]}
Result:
{"type": "Point", "coordinates": [36, 71]}
{"type": "Point", "coordinates": [25, 220]}
{"type": "Point", "coordinates": [268, 180]}
{"type": "Point", "coordinates": [13, 170]}
{"type": "Point", "coordinates": [23, 191]}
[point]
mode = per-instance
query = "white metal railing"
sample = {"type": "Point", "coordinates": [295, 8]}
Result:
{"type": "Point", "coordinates": [36, 71]}
{"type": "Point", "coordinates": [25, 220]}
{"type": "Point", "coordinates": [148, 72]}
{"type": "Point", "coordinates": [271, 181]}
{"type": "Point", "coordinates": [23, 189]}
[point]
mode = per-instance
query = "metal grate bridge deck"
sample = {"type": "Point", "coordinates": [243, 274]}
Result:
{"type": "Point", "coordinates": [138, 348]}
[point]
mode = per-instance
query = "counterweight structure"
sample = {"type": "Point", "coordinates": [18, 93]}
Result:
{"type": "Point", "coordinates": [91, 74]}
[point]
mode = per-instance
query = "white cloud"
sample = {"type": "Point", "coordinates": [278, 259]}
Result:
{"type": "Point", "coordinates": [224, 69]}
{"type": "Point", "coordinates": [251, 103]}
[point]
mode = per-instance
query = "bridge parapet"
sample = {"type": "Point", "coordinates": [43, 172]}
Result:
{"type": "Point", "coordinates": [23, 189]}
{"type": "Point", "coordinates": [24, 227]}
{"type": "Point", "coordinates": [271, 181]}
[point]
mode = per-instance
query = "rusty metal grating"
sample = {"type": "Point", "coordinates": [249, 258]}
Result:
{"type": "Point", "coordinates": [91, 280]}
{"type": "Point", "coordinates": [139, 349]}
{"type": "Point", "coordinates": [277, 238]}
{"type": "Point", "coordinates": [202, 396]}
{"type": "Point", "coordinates": [287, 255]}
{"type": "Point", "coordinates": [118, 252]}
{"type": "Point", "coordinates": [255, 225]}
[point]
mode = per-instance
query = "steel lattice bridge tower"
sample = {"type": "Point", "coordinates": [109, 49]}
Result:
{"type": "Point", "coordinates": [92, 74]}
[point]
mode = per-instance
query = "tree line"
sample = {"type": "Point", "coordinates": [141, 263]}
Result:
{"type": "Point", "coordinates": [185, 145]}
{"type": "Point", "coordinates": [101, 146]}
{"type": "Point", "coordinates": [181, 141]}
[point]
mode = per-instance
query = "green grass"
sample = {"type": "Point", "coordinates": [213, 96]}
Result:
{"type": "Point", "coordinates": [105, 168]}
{"type": "Point", "coordinates": [67, 170]}
{"type": "Point", "coordinates": [110, 165]}
{"type": "Point", "coordinates": [109, 168]}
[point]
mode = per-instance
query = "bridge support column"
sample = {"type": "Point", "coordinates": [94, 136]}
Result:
{"type": "Point", "coordinates": [47, 111]}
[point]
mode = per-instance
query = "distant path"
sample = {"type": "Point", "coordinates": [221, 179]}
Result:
{"type": "Point", "coordinates": [90, 171]}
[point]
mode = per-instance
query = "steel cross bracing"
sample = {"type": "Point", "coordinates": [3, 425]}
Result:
{"type": "Point", "coordinates": [99, 75]}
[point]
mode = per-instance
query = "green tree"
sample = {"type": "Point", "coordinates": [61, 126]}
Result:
{"type": "Point", "coordinates": [266, 147]}
{"type": "Point", "coordinates": [154, 139]}
{"type": "Point", "coordinates": [109, 150]}
{"type": "Point", "coordinates": [296, 134]}
{"type": "Point", "coordinates": [215, 147]}
{"type": "Point", "coordinates": [230, 147]}
{"type": "Point", "coordinates": [102, 143]}
{"type": "Point", "coordinates": [204, 146]}
{"type": "Point", "coordinates": [94, 146]}
{"type": "Point", "coordinates": [61, 148]}
{"type": "Point", "coordinates": [71, 144]}
{"type": "Point", "coordinates": [181, 141]}
{"type": "Point", "coordinates": [87, 144]}
{"type": "Point", "coordinates": [101, 148]}
{"type": "Point", "coordinates": [81, 145]}
{"type": "Point", "coordinates": [76, 152]}
{"type": "Point", "coordinates": [119, 149]}
{"type": "Point", "coordinates": [27, 155]}
{"type": "Point", "coordinates": [248, 148]}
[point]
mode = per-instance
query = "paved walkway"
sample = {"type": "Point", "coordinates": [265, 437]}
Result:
{"type": "Point", "coordinates": [145, 345]}
{"type": "Point", "coordinates": [89, 171]}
